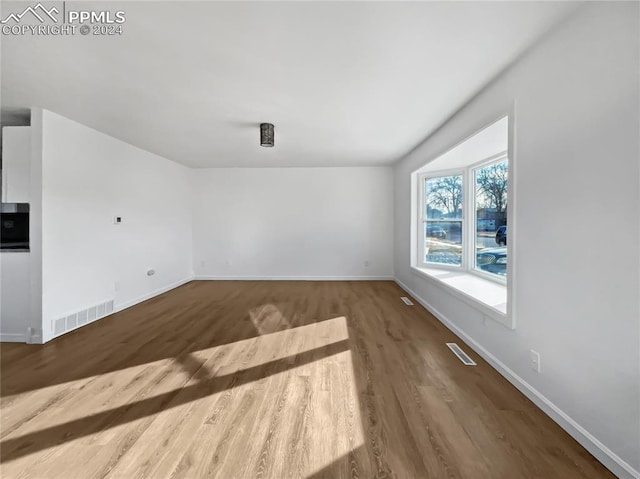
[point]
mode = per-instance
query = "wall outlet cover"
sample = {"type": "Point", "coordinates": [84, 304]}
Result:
{"type": "Point", "coordinates": [534, 360]}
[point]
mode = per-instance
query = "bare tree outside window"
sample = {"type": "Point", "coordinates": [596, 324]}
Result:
{"type": "Point", "coordinates": [444, 194]}
{"type": "Point", "coordinates": [491, 185]}
{"type": "Point", "coordinates": [491, 189]}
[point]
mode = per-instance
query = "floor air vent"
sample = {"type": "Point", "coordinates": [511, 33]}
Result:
{"type": "Point", "coordinates": [406, 300]}
{"type": "Point", "coordinates": [67, 323]}
{"type": "Point", "coordinates": [462, 356]}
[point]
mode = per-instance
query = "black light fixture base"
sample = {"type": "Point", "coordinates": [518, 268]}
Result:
{"type": "Point", "coordinates": [267, 135]}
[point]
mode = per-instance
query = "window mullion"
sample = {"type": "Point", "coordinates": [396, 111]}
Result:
{"type": "Point", "coordinates": [469, 220]}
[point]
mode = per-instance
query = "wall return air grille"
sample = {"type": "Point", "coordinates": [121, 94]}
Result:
{"type": "Point", "coordinates": [68, 323]}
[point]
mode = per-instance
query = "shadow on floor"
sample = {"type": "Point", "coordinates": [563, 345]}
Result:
{"type": "Point", "coordinates": [45, 438]}
{"type": "Point", "coordinates": [197, 316]}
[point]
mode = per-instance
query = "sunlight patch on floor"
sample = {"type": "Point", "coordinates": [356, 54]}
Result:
{"type": "Point", "coordinates": [207, 387]}
{"type": "Point", "coordinates": [343, 413]}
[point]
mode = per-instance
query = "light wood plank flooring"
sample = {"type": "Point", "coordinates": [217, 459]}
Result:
{"type": "Point", "coordinates": [271, 380]}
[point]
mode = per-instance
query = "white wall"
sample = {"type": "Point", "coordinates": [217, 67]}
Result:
{"type": "Point", "coordinates": [35, 230]}
{"type": "Point", "coordinates": [87, 179]}
{"type": "Point", "coordinates": [293, 222]}
{"type": "Point", "coordinates": [14, 297]}
{"type": "Point", "coordinates": [577, 216]}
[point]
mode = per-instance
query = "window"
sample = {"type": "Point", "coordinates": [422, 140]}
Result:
{"type": "Point", "coordinates": [460, 210]}
{"type": "Point", "coordinates": [449, 224]}
{"type": "Point", "coordinates": [443, 220]}
{"type": "Point", "coordinates": [490, 206]}
{"type": "Point", "coordinates": [463, 212]}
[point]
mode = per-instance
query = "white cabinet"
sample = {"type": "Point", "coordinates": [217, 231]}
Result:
{"type": "Point", "coordinates": [16, 161]}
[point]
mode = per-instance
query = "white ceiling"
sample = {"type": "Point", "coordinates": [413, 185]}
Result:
{"type": "Point", "coordinates": [345, 83]}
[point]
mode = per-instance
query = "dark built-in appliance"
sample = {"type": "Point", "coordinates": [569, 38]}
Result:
{"type": "Point", "coordinates": [14, 227]}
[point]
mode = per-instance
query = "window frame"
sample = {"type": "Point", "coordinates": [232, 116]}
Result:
{"type": "Point", "coordinates": [469, 217]}
{"type": "Point", "coordinates": [422, 199]}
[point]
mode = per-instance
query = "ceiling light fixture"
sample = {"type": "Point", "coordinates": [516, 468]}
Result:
{"type": "Point", "coordinates": [267, 136]}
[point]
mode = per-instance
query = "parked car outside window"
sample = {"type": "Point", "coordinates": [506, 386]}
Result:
{"type": "Point", "coordinates": [492, 260]}
{"type": "Point", "coordinates": [501, 236]}
{"type": "Point", "coordinates": [436, 231]}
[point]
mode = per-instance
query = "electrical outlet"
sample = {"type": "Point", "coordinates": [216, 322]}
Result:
{"type": "Point", "coordinates": [534, 360]}
{"type": "Point", "coordinates": [228, 262]}
{"type": "Point", "coordinates": [116, 286]}
{"type": "Point", "coordinates": [366, 264]}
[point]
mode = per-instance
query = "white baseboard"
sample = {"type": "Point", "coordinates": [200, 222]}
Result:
{"type": "Point", "coordinates": [12, 338]}
{"type": "Point", "coordinates": [36, 339]}
{"type": "Point", "coordinates": [292, 278]}
{"type": "Point", "coordinates": [601, 452]}
{"type": "Point", "coordinates": [123, 306]}
{"type": "Point", "coordinates": [153, 294]}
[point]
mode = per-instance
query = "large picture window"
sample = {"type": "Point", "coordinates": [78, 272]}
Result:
{"type": "Point", "coordinates": [464, 218]}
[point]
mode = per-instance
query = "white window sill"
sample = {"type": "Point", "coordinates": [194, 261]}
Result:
{"type": "Point", "coordinates": [482, 294]}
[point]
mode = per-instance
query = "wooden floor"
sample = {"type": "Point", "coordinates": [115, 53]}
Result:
{"type": "Point", "coordinates": [271, 380]}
